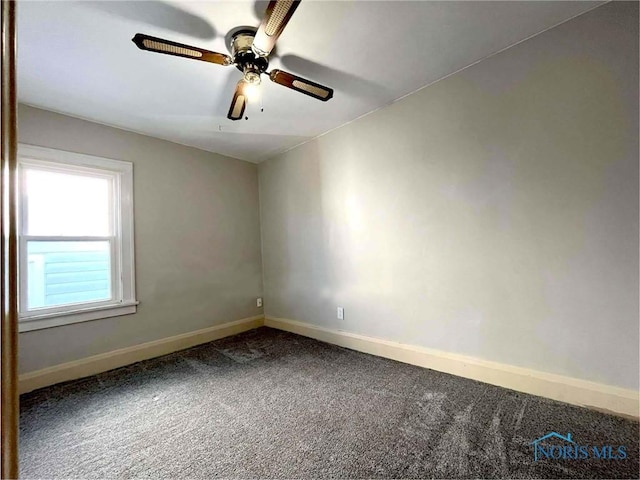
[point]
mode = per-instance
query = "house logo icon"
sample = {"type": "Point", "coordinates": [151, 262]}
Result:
{"type": "Point", "coordinates": [549, 435]}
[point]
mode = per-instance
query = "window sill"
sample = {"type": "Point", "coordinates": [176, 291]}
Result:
{"type": "Point", "coordinates": [48, 320]}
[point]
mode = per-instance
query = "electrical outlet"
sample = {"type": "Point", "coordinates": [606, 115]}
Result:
{"type": "Point", "coordinates": [340, 313]}
{"type": "Point", "coordinates": [259, 302]}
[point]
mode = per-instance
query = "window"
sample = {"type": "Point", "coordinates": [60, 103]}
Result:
{"type": "Point", "coordinates": [75, 238]}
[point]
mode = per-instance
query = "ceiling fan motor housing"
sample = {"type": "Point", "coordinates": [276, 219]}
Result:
{"type": "Point", "coordinates": [245, 58]}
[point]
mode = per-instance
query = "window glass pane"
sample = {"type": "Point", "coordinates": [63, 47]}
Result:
{"type": "Point", "coordinates": [60, 273]}
{"type": "Point", "coordinates": [67, 204]}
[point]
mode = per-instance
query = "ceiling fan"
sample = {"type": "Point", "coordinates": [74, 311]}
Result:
{"type": "Point", "coordinates": [250, 49]}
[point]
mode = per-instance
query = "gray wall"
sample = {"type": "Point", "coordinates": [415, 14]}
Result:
{"type": "Point", "coordinates": [197, 234]}
{"type": "Point", "coordinates": [493, 214]}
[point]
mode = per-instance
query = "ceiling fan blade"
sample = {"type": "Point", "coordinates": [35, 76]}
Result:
{"type": "Point", "coordinates": [301, 85]}
{"type": "Point", "coordinates": [277, 16]}
{"type": "Point", "coordinates": [239, 102]}
{"type": "Point", "coordinates": [160, 45]}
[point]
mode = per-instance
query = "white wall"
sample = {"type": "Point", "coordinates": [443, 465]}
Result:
{"type": "Point", "coordinates": [493, 214]}
{"type": "Point", "coordinates": [197, 233]}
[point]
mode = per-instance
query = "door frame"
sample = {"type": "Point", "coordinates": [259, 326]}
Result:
{"type": "Point", "coordinates": [9, 413]}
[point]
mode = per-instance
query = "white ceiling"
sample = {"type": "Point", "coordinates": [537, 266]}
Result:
{"type": "Point", "coordinates": [77, 58]}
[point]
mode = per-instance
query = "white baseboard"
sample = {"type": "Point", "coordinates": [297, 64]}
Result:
{"type": "Point", "coordinates": [126, 356]}
{"type": "Point", "coordinates": [584, 393]}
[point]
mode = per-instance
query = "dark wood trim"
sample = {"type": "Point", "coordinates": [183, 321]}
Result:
{"type": "Point", "coordinates": [9, 253]}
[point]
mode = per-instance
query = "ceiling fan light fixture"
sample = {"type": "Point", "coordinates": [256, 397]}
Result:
{"type": "Point", "coordinates": [252, 77]}
{"type": "Point", "coordinates": [251, 91]}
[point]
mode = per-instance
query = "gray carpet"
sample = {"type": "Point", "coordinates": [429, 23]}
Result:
{"type": "Point", "coordinates": [270, 404]}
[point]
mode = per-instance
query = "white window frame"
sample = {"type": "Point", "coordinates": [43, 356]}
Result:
{"type": "Point", "coordinates": [123, 301]}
